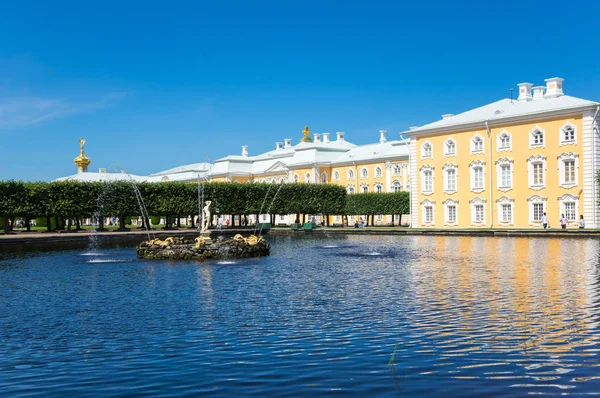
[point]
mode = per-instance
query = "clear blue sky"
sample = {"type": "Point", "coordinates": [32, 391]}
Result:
{"type": "Point", "coordinates": [153, 86]}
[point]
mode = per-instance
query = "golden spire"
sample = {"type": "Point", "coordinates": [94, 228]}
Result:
{"type": "Point", "coordinates": [82, 161]}
{"type": "Point", "coordinates": [306, 133]}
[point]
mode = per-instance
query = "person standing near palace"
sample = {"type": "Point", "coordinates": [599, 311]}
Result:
{"type": "Point", "coordinates": [563, 221]}
{"type": "Point", "coordinates": [545, 221]}
{"type": "Point", "coordinates": [220, 223]}
{"type": "Point", "coordinates": [581, 222]}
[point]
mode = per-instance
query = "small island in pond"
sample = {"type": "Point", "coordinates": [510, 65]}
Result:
{"type": "Point", "coordinates": [203, 248]}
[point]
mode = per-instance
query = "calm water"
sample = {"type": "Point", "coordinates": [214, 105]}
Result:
{"type": "Point", "coordinates": [363, 316]}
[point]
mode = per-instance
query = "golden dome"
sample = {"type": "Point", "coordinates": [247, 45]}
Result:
{"type": "Point", "coordinates": [306, 133]}
{"type": "Point", "coordinates": [82, 161]}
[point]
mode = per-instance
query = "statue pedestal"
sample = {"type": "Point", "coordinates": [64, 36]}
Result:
{"type": "Point", "coordinates": [206, 236]}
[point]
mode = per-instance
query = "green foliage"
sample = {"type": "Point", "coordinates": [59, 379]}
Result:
{"type": "Point", "coordinates": [378, 203]}
{"type": "Point", "coordinates": [155, 220]}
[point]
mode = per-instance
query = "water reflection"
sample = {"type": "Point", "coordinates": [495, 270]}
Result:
{"type": "Point", "coordinates": [357, 315]}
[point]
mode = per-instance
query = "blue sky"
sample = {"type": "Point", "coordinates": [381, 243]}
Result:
{"type": "Point", "coordinates": [152, 86]}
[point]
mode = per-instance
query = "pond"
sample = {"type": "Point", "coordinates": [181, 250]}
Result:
{"type": "Point", "coordinates": [354, 315]}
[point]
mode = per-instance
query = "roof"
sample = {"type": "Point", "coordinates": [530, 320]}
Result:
{"type": "Point", "coordinates": [102, 177]}
{"type": "Point", "coordinates": [507, 109]}
{"type": "Point", "coordinates": [195, 167]}
{"type": "Point", "coordinates": [388, 149]}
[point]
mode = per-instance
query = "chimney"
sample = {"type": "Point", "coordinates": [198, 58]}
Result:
{"type": "Point", "coordinates": [340, 136]}
{"type": "Point", "coordinates": [554, 87]}
{"type": "Point", "coordinates": [288, 143]}
{"type": "Point", "coordinates": [382, 138]}
{"type": "Point", "coordinates": [244, 150]}
{"type": "Point", "coordinates": [447, 115]}
{"type": "Point", "coordinates": [538, 92]}
{"type": "Point", "coordinates": [317, 138]}
{"type": "Point", "coordinates": [326, 138]}
{"type": "Point", "coordinates": [278, 146]}
{"type": "Point", "coordinates": [524, 92]}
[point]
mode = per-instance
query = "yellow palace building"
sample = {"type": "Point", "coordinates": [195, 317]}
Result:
{"type": "Point", "coordinates": [507, 163]}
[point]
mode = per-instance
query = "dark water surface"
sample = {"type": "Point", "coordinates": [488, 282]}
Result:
{"type": "Point", "coordinates": [360, 315]}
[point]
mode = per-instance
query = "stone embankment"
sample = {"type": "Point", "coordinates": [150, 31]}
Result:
{"type": "Point", "coordinates": [186, 248]}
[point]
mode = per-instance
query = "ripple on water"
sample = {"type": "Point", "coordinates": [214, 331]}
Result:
{"type": "Point", "coordinates": [364, 316]}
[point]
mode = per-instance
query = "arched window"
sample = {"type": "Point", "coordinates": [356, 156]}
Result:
{"type": "Point", "coordinates": [397, 170]}
{"type": "Point", "coordinates": [378, 188]}
{"type": "Point", "coordinates": [350, 174]}
{"type": "Point", "coordinates": [450, 148]}
{"type": "Point", "coordinates": [396, 186]}
{"type": "Point", "coordinates": [323, 178]}
{"type": "Point", "coordinates": [426, 150]}
{"type": "Point", "coordinates": [336, 175]}
{"type": "Point", "coordinates": [364, 173]}
{"type": "Point", "coordinates": [364, 188]}
{"type": "Point", "coordinates": [536, 137]}
{"type": "Point", "coordinates": [378, 172]}
{"type": "Point", "coordinates": [477, 144]}
{"type": "Point", "coordinates": [307, 178]}
{"type": "Point", "coordinates": [296, 178]}
{"type": "Point", "coordinates": [568, 134]}
{"type": "Point", "coordinates": [504, 141]}
{"type": "Point", "coordinates": [350, 189]}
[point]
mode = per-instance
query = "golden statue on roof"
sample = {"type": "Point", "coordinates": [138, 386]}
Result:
{"type": "Point", "coordinates": [82, 161]}
{"type": "Point", "coordinates": [306, 133]}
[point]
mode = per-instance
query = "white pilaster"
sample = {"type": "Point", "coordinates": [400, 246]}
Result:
{"type": "Point", "coordinates": [591, 160]}
{"type": "Point", "coordinates": [405, 171]}
{"type": "Point", "coordinates": [414, 205]}
{"type": "Point", "coordinates": [388, 176]}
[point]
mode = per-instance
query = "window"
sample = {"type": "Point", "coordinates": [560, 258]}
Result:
{"type": "Point", "coordinates": [538, 174]}
{"type": "Point", "coordinates": [568, 134]}
{"type": "Point", "coordinates": [323, 178]}
{"type": "Point", "coordinates": [378, 188]}
{"type": "Point", "coordinates": [336, 176]}
{"type": "Point", "coordinates": [364, 173]}
{"type": "Point", "coordinates": [536, 137]}
{"type": "Point", "coordinates": [478, 213]}
{"type": "Point", "coordinates": [452, 214]}
{"type": "Point", "coordinates": [450, 147]}
{"type": "Point", "coordinates": [478, 177]}
{"type": "Point", "coordinates": [396, 186]}
{"type": "Point", "coordinates": [397, 170]}
{"type": "Point", "coordinates": [426, 150]}
{"type": "Point", "coordinates": [350, 189]}
{"type": "Point", "coordinates": [307, 178]}
{"type": "Point", "coordinates": [569, 176]}
{"type": "Point", "coordinates": [477, 144]}
{"type": "Point", "coordinates": [350, 174]}
{"type": "Point", "coordinates": [538, 211]}
{"type": "Point", "coordinates": [451, 180]}
{"type": "Point", "coordinates": [506, 213]}
{"type": "Point", "coordinates": [504, 141]}
{"type": "Point", "coordinates": [364, 188]}
{"type": "Point", "coordinates": [378, 172]}
{"type": "Point", "coordinates": [568, 164]}
{"type": "Point", "coordinates": [427, 181]}
{"type": "Point", "coordinates": [505, 176]}
{"type": "Point", "coordinates": [450, 211]}
{"type": "Point", "coordinates": [296, 178]}
{"type": "Point", "coordinates": [570, 213]}
{"type": "Point", "coordinates": [429, 214]}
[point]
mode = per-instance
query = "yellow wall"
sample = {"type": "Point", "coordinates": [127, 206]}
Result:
{"type": "Point", "coordinates": [519, 154]}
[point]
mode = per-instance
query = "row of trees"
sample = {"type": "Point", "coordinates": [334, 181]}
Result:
{"type": "Point", "coordinates": [70, 200]}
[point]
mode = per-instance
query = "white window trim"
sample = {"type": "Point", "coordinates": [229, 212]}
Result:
{"type": "Point", "coordinates": [473, 150]}
{"type": "Point", "coordinates": [502, 201]}
{"type": "Point", "coordinates": [363, 186]}
{"type": "Point", "coordinates": [425, 168]}
{"type": "Point", "coordinates": [380, 174]}
{"type": "Point", "coordinates": [296, 179]}
{"type": "Point", "coordinates": [396, 183]}
{"type": "Point", "coordinates": [499, 141]}
{"type": "Point", "coordinates": [350, 187]}
{"type": "Point", "coordinates": [530, 202]}
{"type": "Point", "coordinates": [324, 180]}
{"type": "Point", "coordinates": [424, 204]}
{"type": "Point", "coordinates": [561, 131]}
{"type": "Point", "coordinates": [307, 178]}
{"type": "Point", "coordinates": [364, 171]}
{"type": "Point", "coordinates": [336, 175]}
{"type": "Point", "coordinates": [376, 186]}
{"type": "Point", "coordinates": [398, 172]}
{"type": "Point", "coordinates": [447, 167]}
{"type": "Point", "coordinates": [530, 162]}
{"type": "Point", "coordinates": [350, 174]}
{"type": "Point", "coordinates": [503, 162]}
{"type": "Point", "coordinates": [561, 169]}
{"type": "Point", "coordinates": [450, 154]}
{"type": "Point", "coordinates": [450, 202]}
{"type": "Point", "coordinates": [473, 203]}
{"type": "Point", "coordinates": [531, 133]}
{"type": "Point", "coordinates": [423, 155]}
{"type": "Point", "coordinates": [569, 198]}
{"type": "Point", "coordinates": [472, 166]}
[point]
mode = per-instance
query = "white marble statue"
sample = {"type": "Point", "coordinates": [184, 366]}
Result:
{"type": "Point", "coordinates": [206, 216]}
